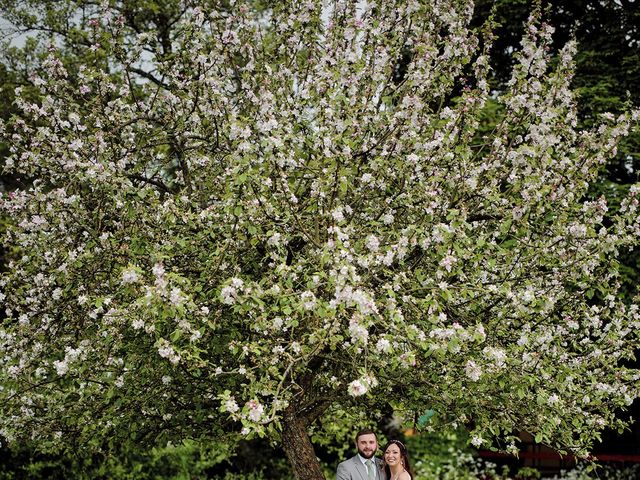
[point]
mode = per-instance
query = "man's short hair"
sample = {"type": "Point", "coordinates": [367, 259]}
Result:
{"type": "Point", "coordinates": [366, 431]}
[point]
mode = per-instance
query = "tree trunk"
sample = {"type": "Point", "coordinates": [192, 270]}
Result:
{"type": "Point", "coordinates": [298, 448]}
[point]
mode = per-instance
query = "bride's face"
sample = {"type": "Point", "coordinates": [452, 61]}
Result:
{"type": "Point", "coordinates": [392, 455]}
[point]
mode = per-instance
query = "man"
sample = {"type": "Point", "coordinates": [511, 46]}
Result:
{"type": "Point", "coordinates": [364, 466]}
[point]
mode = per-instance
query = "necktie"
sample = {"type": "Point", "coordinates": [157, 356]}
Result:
{"type": "Point", "coordinates": [371, 473]}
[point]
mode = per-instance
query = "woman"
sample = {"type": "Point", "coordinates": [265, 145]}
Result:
{"type": "Point", "coordinates": [396, 461]}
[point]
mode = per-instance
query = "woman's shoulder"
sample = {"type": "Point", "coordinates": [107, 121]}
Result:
{"type": "Point", "coordinates": [404, 476]}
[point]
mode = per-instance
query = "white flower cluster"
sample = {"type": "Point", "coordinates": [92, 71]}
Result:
{"type": "Point", "coordinates": [229, 293]}
{"type": "Point", "coordinates": [130, 275]}
{"type": "Point", "coordinates": [308, 300]}
{"type": "Point", "coordinates": [358, 332]}
{"type": "Point", "coordinates": [472, 370]}
{"type": "Point", "coordinates": [71, 355]}
{"type": "Point", "coordinates": [357, 297]}
{"type": "Point", "coordinates": [496, 355]}
{"type": "Point", "coordinates": [165, 350]}
{"type": "Point", "coordinates": [362, 385]}
{"type": "Point", "coordinates": [255, 410]}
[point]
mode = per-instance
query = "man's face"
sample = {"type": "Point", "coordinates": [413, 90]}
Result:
{"type": "Point", "coordinates": [367, 445]}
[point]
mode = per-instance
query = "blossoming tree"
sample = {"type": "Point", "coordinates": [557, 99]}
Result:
{"type": "Point", "coordinates": [303, 208]}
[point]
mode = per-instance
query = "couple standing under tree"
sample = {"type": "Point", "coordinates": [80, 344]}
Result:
{"type": "Point", "coordinates": [365, 466]}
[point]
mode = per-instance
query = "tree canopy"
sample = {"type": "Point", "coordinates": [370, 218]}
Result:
{"type": "Point", "coordinates": [607, 59]}
{"type": "Point", "coordinates": [278, 217]}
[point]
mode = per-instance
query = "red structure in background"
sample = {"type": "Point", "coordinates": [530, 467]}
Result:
{"type": "Point", "coordinates": [615, 450]}
{"type": "Point", "coordinates": [555, 460]}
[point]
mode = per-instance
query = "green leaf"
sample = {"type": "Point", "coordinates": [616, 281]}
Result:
{"type": "Point", "coordinates": [506, 226]}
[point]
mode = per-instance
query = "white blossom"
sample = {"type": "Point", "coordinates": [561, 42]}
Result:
{"type": "Point", "coordinates": [129, 275]}
{"type": "Point", "coordinates": [472, 370]}
{"type": "Point", "coordinates": [383, 346]}
{"type": "Point", "coordinates": [256, 410]}
{"type": "Point", "coordinates": [356, 388]}
{"type": "Point", "coordinates": [231, 406]}
{"type": "Point", "coordinates": [372, 243]}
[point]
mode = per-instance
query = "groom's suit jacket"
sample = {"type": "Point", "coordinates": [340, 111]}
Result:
{"type": "Point", "coordinates": [353, 469]}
